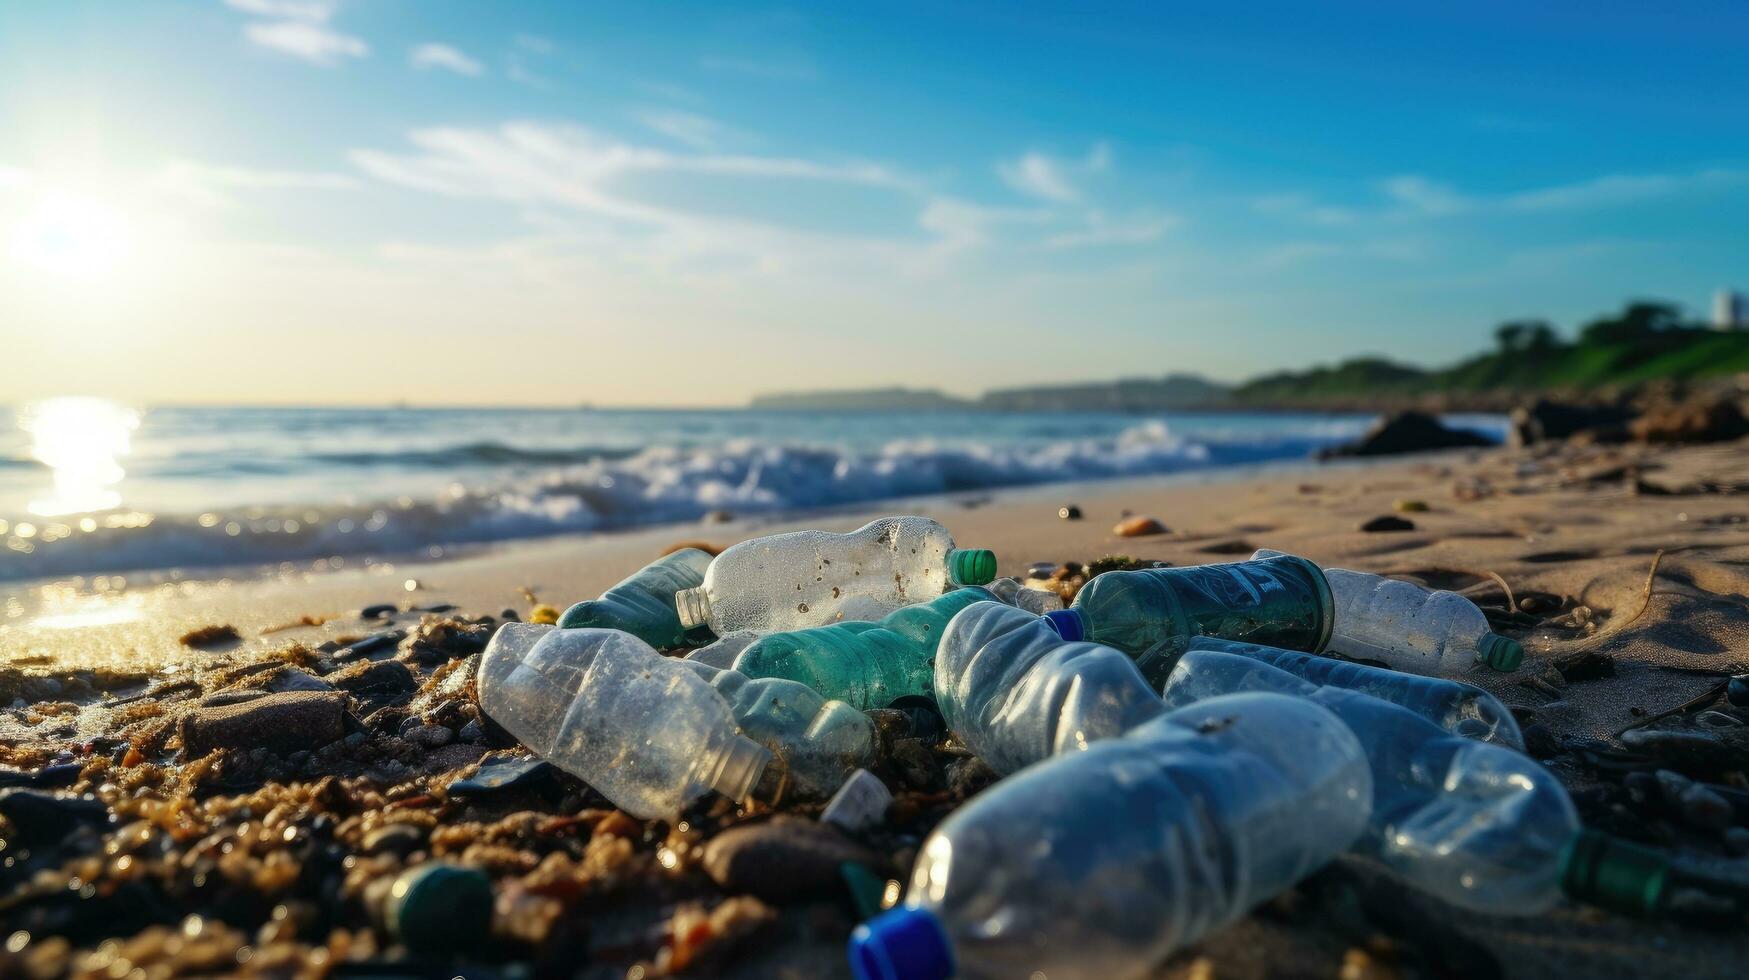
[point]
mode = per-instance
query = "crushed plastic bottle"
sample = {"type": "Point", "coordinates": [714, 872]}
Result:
{"type": "Point", "coordinates": [721, 652]}
{"type": "Point", "coordinates": [643, 605]}
{"type": "Point", "coordinates": [1409, 628]}
{"type": "Point", "coordinates": [815, 743]}
{"type": "Point", "coordinates": [1100, 864]}
{"type": "Point", "coordinates": [1479, 825]}
{"type": "Point", "coordinates": [811, 578]}
{"type": "Point", "coordinates": [1152, 614]}
{"type": "Point", "coordinates": [1015, 692]}
{"type": "Point", "coordinates": [646, 731]}
{"type": "Point", "coordinates": [869, 665]}
{"type": "Point", "coordinates": [1459, 708]}
{"type": "Point", "coordinates": [1035, 601]}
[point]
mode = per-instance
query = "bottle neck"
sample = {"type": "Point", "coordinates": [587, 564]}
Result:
{"type": "Point", "coordinates": [738, 767]}
{"type": "Point", "coordinates": [693, 607]}
{"type": "Point", "coordinates": [1614, 874]}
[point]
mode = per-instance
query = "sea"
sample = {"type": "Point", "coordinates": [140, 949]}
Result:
{"type": "Point", "coordinates": [90, 486]}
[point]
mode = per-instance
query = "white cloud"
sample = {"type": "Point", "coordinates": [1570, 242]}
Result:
{"type": "Point", "coordinates": [311, 10]}
{"type": "Point", "coordinates": [1102, 230]}
{"type": "Point", "coordinates": [1424, 196]}
{"type": "Point", "coordinates": [209, 184]}
{"type": "Point", "coordinates": [1303, 208]}
{"type": "Point", "coordinates": [1613, 189]}
{"type": "Point", "coordinates": [445, 57]}
{"type": "Point", "coordinates": [698, 132]}
{"type": "Point", "coordinates": [1038, 175]}
{"type": "Point", "coordinates": [300, 29]}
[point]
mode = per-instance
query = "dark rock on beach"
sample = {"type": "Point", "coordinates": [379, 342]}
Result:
{"type": "Point", "coordinates": [280, 723]}
{"type": "Point", "coordinates": [1407, 432]}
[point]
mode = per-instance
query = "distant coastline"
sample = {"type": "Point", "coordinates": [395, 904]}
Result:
{"type": "Point", "coordinates": [1612, 356]}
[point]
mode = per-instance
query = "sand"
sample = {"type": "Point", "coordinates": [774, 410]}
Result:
{"type": "Point", "coordinates": [1575, 531]}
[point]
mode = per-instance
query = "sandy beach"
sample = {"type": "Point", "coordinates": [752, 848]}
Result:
{"type": "Point", "coordinates": [1625, 566]}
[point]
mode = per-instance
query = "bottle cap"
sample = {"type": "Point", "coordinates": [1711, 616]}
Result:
{"type": "Point", "coordinates": [1499, 652]}
{"type": "Point", "coordinates": [971, 566]}
{"type": "Point", "coordinates": [901, 944]}
{"type": "Point", "coordinates": [1614, 874]}
{"type": "Point", "coordinates": [1068, 624]}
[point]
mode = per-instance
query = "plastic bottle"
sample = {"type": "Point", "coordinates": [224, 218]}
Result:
{"type": "Point", "coordinates": [1479, 825]}
{"type": "Point", "coordinates": [811, 578]}
{"type": "Point", "coordinates": [1035, 601]}
{"type": "Point", "coordinates": [721, 653]}
{"type": "Point", "coordinates": [1405, 626]}
{"type": "Point", "coordinates": [1459, 708]}
{"type": "Point", "coordinates": [815, 743]}
{"type": "Point", "coordinates": [1100, 864]}
{"type": "Point", "coordinates": [643, 605]}
{"type": "Point", "coordinates": [1152, 614]}
{"type": "Point", "coordinates": [646, 731]}
{"type": "Point", "coordinates": [1015, 692]}
{"type": "Point", "coordinates": [869, 665]}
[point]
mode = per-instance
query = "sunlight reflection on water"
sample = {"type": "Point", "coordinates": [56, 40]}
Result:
{"type": "Point", "coordinates": [81, 440]}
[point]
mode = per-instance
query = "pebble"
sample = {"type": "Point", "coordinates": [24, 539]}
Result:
{"type": "Point", "coordinates": [1705, 809]}
{"type": "Point", "coordinates": [474, 732]}
{"type": "Point", "coordinates": [428, 736]}
{"type": "Point", "coordinates": [281, 723]}
{"type": "Point", "coordinates": [782, 859]}
{"type": "Point", "coordinates": [1069, 512]}
{"type": "Point", "coordinates": [56, 775]}
{"type": "Point", "coordinates": [371, 644]}
{"type": "Point", "coordinates": [499, 774]}
{"type": "Point", "coordinates": [1737, 691]}
{"type": "Point", "coordinates": [440, 907]}
{"type": "Point", "coordinates": [382, 610]}
{"type": "Point", "coordinates": [38, 817]}
{"type": "Point", "coordinates": [1138, 527]}
{"type": "Point", "coordinates": [396, 838]}
{"type": "Point", "coordinates": [1388, 522]}
{"type": "Point", "coordinates": [375, 683]}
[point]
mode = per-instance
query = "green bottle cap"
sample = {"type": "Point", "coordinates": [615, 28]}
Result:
{"type": "Point", "coordinates": [1499, 652]}
{"type": "Point", "coordinates": [971, 566]}
{"type": "Point", "coordinates": [439, 907]}
{"type": "Point", "coordinates": [1614, 874]}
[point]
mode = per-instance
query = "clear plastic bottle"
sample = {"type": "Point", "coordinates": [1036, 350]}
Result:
{"type": "Point", "coordinates": [1100, 864]}
{"type": "Point", "coordinates": [1152, 614]}
{"type": "Point", "coordinates": [1407, 627]}
{"type": "Point", "coordinates": [812, 578]}
{"type": "Point", "coordinates": [1459, 708]}
{"type": "Point", "coordinates": [721, 653]}
{"type": "Point", "coordinates": [869, 665]}
{"type": "Point", "coordinates": [1015, 692]}
{"type": "Point", "coordinates": [1479, 825]}
{"type": "Point", "coordinates": [646, 731]}
{"type": "Point", "coordinates": [815, 743]}
{"type": "Point", "coordinates": [643, 605]}
{"type": "Point", "coordinates": [1035, 601]}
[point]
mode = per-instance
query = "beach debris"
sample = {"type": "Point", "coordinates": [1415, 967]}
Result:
{"type": "Point", "coordinates": [1407, 432]}
{"type": "Point", "coordinates": [642, 604]}
{"type": "Point", "coordinates": [501, 773]}
{"type": "Point", "coordinates": [282, 723]}
{"type": "Point", "coordinates": [722, 653]}
{"type": "Point", "coordinates": [1069, 512]}
{"type": "Point", "coordinates": [382, 610]}
{"type": "Point", "coordinates": [1035, 601]}
{"type": "Point", "coordinates": [544, 614]}
{"type": "Point", "coordinates": [440, 907]}
{"type": "Point", "coordinates": [784, 859]}
{"type": "Point", "coordinates": [375, 683]}
{"type": "Point", "coordinates": [859, 804]}
{"type": "Point", "coordinates": [1139, 527]}
{"type": "Point", "coordinates": [437, 639]}
{"type": "Point", "coordinates": [206, 637]}
{"type": "Point", "coordinates": [1387, 522]}
{"type": "Point", "coordinates": [812, 578]}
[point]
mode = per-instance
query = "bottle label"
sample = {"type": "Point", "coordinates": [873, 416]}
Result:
{"type": "Point", "coordinates": [1280, 602]}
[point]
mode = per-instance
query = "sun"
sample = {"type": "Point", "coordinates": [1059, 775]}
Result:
{"type": "Point", "coordinates": [71, 235]}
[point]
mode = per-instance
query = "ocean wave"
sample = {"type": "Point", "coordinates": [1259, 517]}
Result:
{"type": "Point", "coordinates": [473, 454]}
{"type": "Point", "coordinates": [609, 490]}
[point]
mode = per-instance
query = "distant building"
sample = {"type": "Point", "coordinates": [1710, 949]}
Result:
{"type": "Point", "coordinates": [1730, 310]}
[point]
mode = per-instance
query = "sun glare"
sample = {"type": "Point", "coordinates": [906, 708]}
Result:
{"type": "Point", "coordinates": [71, 235]}
{"type": "Point", "coordinates": [81, 441]}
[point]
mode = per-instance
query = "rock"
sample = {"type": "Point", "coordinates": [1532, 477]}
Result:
{"type": "Point", "coordinates": [429, 736]}
{"type": "Point", "coordinates": [500, 774]}
{"type": "Point", "coordinates": [219, 699]}
{"type": "Point", "coordinates": [436, 640]}
{"type": "Point", "coordinates": [280, 723]}
{"type": "Point", "coordinates": [371, 644]}
{"type": "Point", "coordinates": [1407, 432]}
{"type": "Point", "coordinates": [38, 817]}
{"type": "Point", "coordinates": [289, 678]}
{"type": "Point", "coordinates": [1389, 522]}
{"type": "Point", "coordinates": [783, 859]}
{"type": "Point", "coordinates": [375, 683]}
{"type": "Point", "coordinates": [1545, 420]}
{"type": "Point", "coordinates": [1069, 512]}
{"type": "Point", "coordinates": [1737, 691]}
{"type": "Point", "coordinates": [474, 732]}
{"type": "Point", "coordinates": [37, 689]}
{"type": "Point", "coordinates": [396, 838]}
{"type": "Point", "coordinates": [1138, 527]}
{"type": "Point", "coordinates": [439, 908]}
{"type": "Point", "coordinates": [382, 610]}
{"type": "Point", "coordinates": [1705, 809]}
{"type": "Point", "coordinates": [1708, 420]}
{"type": "Point", "coordinates": [57, 775]}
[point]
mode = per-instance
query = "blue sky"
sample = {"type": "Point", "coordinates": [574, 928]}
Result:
{"type": "Point", "coordinates": [322, 201]}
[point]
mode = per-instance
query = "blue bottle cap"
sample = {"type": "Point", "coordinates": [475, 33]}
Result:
{"type": "Point", "coordinates": [1067, 623]}
{"type": "Point", "coordinates": [901, 944]}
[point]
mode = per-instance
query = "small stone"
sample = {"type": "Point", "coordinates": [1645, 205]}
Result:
{"type": "Point", "coordinates": [1671, 786]}
{"type": "Point", "coordinates": [438, 908]}
{"type": "Point", "coordinates": [396, 838]}
{"type": "Point", "coordinates": [1388, 522]}
{"type": "Point", "coordinates": [1069, 512]}
{"type": "Point", "coordinates": [57, 775]}
{"type": "Point", "coordinates": [1540, 743]}
{"type": "Point", "coordinates": [1410, 506]}
{"type": "Point", "coordinates": [429, 736]}
{"type": "Point", "coordinates": [382, 610]}
{"type": "Point", "coordinates": [474, 732]}
{"type": "Point", "coordinates": [39, 818]}
{"type": "Point", "coordinates": [502, 773]}
{"type": "Point", "coordinates": [378, 643]}
{"type": "Point", "coordinates": [1705, 809]}
{"type": "Point", "coordinates": [1737, 691]}
{"type": "Point", "coordinates": [1138, 527]}
{"type": "Point", "coordinates": [375, 683]}
{"type": "Point", "coordinates": [219, 699]}
{"type": "Point", "coordinates": [859, 804]}
{"type": "Point", "coordinates": [280, 723]}
{"type": "Point", "coordinates": [783, 859]}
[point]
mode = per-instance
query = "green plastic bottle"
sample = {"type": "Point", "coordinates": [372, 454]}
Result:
{"type": "Point", "coordinates": [643, 605]}
{"type": "Point", "coordinates": [1154, 613]}
{"type": "Point", "coordinates": [868, 665]}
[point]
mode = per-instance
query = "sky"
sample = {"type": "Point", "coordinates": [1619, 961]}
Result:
{"type": "Point", "coordinates": [370, 201]}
